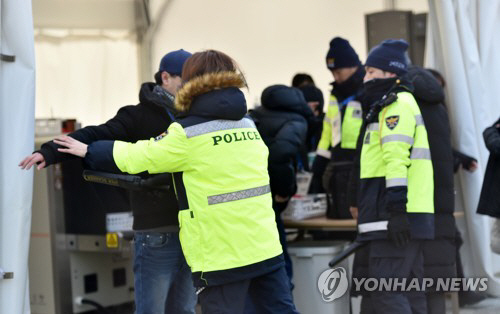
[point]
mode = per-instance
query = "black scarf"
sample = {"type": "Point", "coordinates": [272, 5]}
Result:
{"type": "Point", "coordinates": [350, 86]}
{"type": "Point", "coordinates": [375, 89]}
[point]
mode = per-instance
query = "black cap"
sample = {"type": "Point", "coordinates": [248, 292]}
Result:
{"type": "Point", "coordinates": [341, 55]}
{"type": "Point", "coordinates": [389, 56]}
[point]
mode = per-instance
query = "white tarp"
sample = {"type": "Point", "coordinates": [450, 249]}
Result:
{"type": "Point", "coordinates": [17, 94]}
{"type": "Point", "coordinates": [463, 44]}
{"type": "Point", "coordinates": [85, 76]}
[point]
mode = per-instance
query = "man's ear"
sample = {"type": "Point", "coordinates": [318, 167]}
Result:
{"type": "Point", "coordinates": [165, 77]}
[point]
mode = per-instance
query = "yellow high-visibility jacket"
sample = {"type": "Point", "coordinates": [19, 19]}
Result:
{"type": "Point", "coordinates": [219, 164]}
{"type": "Point", "coordinates": [396, 171]}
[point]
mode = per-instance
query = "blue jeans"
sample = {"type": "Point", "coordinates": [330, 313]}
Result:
{"type": "Point", "coordinates": [162, 278]}
{"type": "Point", "coordinates": [269, 293]}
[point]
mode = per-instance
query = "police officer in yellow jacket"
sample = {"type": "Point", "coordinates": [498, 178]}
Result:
{"type": "Point", "coordinates": [219, 164]}
{"type": "Point", "coordinates": [341, 127]}
{"type": "Point", "coordinates": [396, 200]}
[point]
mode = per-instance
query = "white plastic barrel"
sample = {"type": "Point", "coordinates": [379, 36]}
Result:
{"type": "Point", "coordinates": [310, 262]}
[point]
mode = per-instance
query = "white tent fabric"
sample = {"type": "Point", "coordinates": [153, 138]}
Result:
{"type": "Point", "coordinates": [17, 94]}
{"type": "Point", "coordinates": [463, 44]}
{"type": "Point", "coordinates": [85, 76]}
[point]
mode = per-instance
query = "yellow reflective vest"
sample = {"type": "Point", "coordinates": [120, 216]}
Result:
{"type": "Point", "coordinates": [340, 131]}
{"type": "Point", "coordinates": [227, 224]}
{"type": "Point", "coordinates": [396, 168]}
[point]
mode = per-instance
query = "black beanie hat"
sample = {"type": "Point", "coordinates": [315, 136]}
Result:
{"type": "Point", "coordinates": [312, 93]}
{"type": "Point", "coordinates": [341, 55]}
{"type": "Point", "coordinates": [389, 56]}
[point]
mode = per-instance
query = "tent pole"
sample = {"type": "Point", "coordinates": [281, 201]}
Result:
{"type": "Point", "coordinates": [145, 38]}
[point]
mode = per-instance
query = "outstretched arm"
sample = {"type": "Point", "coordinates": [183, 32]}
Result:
{"type": "Point", "coordinates": [35, 158]}
{"type": "Point", "coordinates": [71, 146]}
{"type": "Point", "coordinates": [117, 128]}
{"type": "Point", "coordinates": [155, 156]}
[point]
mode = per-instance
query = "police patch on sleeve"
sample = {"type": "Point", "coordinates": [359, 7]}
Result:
{"type": "Point", "coordinates": [159, 137]}
{"type": "Point", "coordinates": [392, 122]}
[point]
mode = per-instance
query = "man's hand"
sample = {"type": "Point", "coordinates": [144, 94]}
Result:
{"type": "Point", "coordinates": [73, 146]}
{"type": "Point", "coordinates": [354, 212]}
{"type": "Point", "coordinates": [35, 158]}
{"type": "Point", "coordinates": [472, 166]}
{"type": "Point", "coordinates": [280, 199]}
{"type": "Point", "coordinates": [399, 229]}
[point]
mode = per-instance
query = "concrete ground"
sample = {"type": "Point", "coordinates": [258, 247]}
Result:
{"type": "Point", "coordinates": [488, 306]}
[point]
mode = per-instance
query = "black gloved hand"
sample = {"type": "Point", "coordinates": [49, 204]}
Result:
{"type": "Point", "coordinates": [399, 229]}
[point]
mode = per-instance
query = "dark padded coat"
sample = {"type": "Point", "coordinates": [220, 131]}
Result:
{"type": "Point", "coordinates": [489, 202]}
{"type": "Point", "coordinates": [439, 254]}
{"type": "Point", "coordinates": [282, 123]}
{"type": "Point", "coordinates": [150, 118]}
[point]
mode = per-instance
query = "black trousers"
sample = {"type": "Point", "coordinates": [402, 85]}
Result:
{"type": "Point", "coordinates": [335, 179]}
{"type": "Point", "coordinates": [278, 209]}
{"type": "Point", "coordinates": [388, 261]}
{"type": "Point", "coordinates": [270, 294]}
{"type": "Point", "coordinates": [436, 303]}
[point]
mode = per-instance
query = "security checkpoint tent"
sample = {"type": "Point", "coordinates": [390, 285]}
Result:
{"type": "Point", "coordinates": [92, 55]}
{"type": "Point", "coordinates": [17, 83]}
{"type": "Point", "coordinates": [462, 45]}
{"type": "Point", "coordinates": [97, 62]}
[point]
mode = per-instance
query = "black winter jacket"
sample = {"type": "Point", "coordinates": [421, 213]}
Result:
{"type": "Point", "coordinates": [430, 97]}
{"type": "Point", "coordinates": [151, 117]}
{"type": "Point", "coordinates": [282, 123]}
{"type": "Point", "coordinates": [439, 254]}
{"type": "Point", "coordinates": [489, 202]}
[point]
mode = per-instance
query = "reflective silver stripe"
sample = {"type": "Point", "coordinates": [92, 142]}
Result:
{"type": "Point", "coordinates": [397, 138]}
{"type": "Point", "coordinates": [420, 153]}
{"type": "Point", "coordinates": [367, 138]}
{"type": "Point", "coordinates": [327, 120]}
{"type": "Point", "coordinates": [324, 153]}
{"type": "Point", "coordinates": [333, 103]}
{"type": "Point", "coordinates": [354, 104]}
{"type": "Point", "coordinates": [396, 182]}
{"type": "Point", "coordinates": [419, 119]}
{"type": "Point", "coordinates": [239, 195]}
{"type": "Point", "coordinates": [373, 126]}
{"type": "Point", "coordinates": [372, 226]}
{"type": "Point", "coordinates": [218, 125]}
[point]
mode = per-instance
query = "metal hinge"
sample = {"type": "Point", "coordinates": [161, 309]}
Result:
{"type": "Point", "coordinates": [7, 58]}
{"type": "Point", "coordinates": [6, 275]}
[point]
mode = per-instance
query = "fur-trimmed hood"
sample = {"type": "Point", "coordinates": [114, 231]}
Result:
{"type": "Point", "coordinates": [207, 83]}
